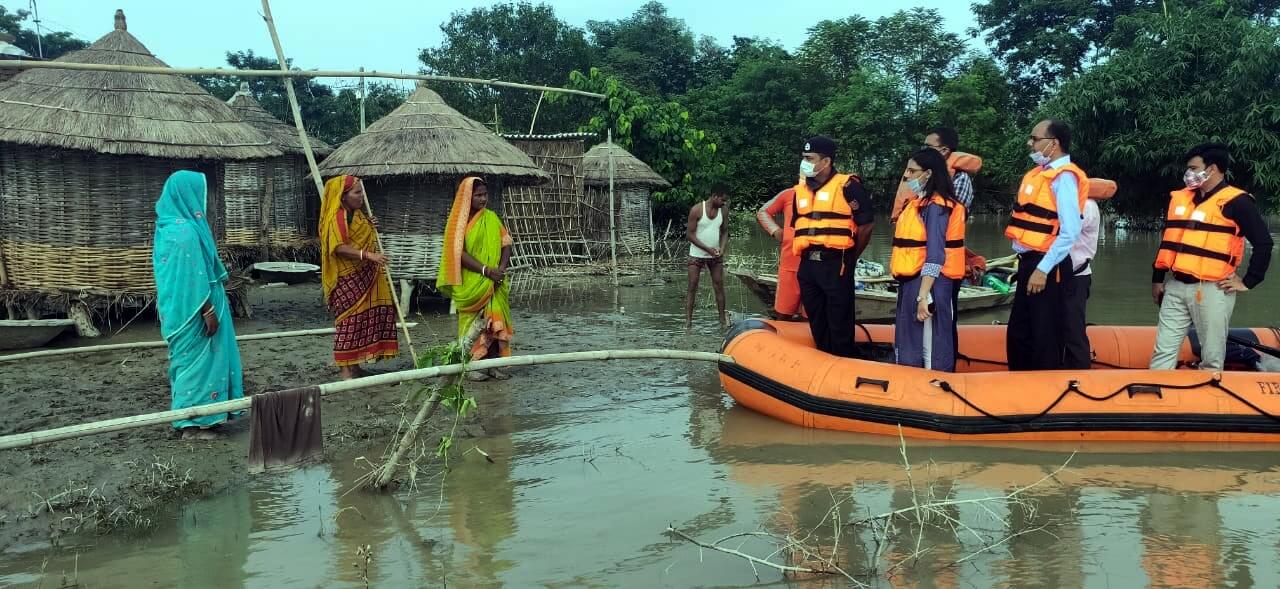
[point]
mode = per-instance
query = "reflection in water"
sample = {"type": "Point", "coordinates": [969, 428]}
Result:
{"type": "Point", "coordinates": [592, 462]}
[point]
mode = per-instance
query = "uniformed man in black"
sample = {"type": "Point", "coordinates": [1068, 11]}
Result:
{"type": "Point", "coordinates": [833, 221]}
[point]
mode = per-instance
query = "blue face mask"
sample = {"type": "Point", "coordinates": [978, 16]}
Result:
{"type": "Point", "coordinates": [1040, 159]}
{"type": "Point", "coordinates": [916, 186]}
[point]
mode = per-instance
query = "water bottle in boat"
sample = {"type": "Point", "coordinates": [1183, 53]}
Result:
{"type": "Point", "coordinates": [994, 281]}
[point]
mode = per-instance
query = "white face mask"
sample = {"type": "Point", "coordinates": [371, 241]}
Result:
{"type": "Point", "coordinates": [808, 169]}
{"type": "Point", "coordinates": [1195, 179]}
{"type": "Point", "coordinates": [1040, 159]}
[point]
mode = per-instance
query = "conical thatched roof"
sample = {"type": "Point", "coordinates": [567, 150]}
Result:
{"type": "Point", "coordinates": [424, 136]}
{"type": "Point", "coordinates": [628, 170]}
{"type": "Point", "coordinates": [165, 116]}
{"type": "Point", "coordinates": [283, 135]}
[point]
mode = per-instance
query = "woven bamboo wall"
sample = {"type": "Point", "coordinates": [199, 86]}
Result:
{"type": "Point", "coordinates": [411, 212]}
{"type": "Point", "coordinates": [546, 221]}
{"type": "Point", "coordinates": [81, 221]}
{"type": "Point", "coordinates": [631, 214]}
{"type": "Point", "coordinates": [285, 223]}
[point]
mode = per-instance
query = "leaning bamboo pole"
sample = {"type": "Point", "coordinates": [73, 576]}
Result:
{"type": "Point", "coordinates": [28, 439]}
{"type": "Point", "coordinates": [315, 169]}
{"type": "Point", "coordinates": [283, 73]}
{"type": "Point", "coordinates": [613, 231]}
{"type": "Point", "coordinates": [387, 470]}
{"type": "Point", "coordinates": [162, 343]}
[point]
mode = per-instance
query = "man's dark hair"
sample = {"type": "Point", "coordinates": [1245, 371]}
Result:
{"type": "Point", "coordinates": [1213, 154]}
{"type": "Point", "coordinates": [720, 188]}
{"type": "Point", "coordinates": [1060, 131]}
{"type": "Point", "coordinates": [947, 137]}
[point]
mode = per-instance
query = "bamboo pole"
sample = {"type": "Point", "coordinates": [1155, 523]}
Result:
{"type": "Point", "coordinates": [286, 73]}
{"type": "Point", "coordinates": [387, 471]}
{"type": "Point", "coordinates": [533, 121]}
{"type": "Point", "coordinates": [315, 169]}
{"type": "Point", "coordinates": [161, 344]}
{"type": "Point", "coordinates": [386, 271]}
{"type": "Point", "coordinates": [362, 97]}
{"type": "Point", "coordinates": [613, 232]}
{"type": "Point", "coordinates": [28, 439]}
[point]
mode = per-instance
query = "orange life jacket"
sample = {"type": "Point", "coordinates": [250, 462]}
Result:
{"type": "Point", "coordinates": [1200, 240]}
{"type": "Point", "coordinates": [910, 237]}
{"type": "Point", "coordinates": [958, 161]}
{"type": "Point", "coordinates": [824, 218]}
{"type": "Point", "coordinates": [1035, 221]}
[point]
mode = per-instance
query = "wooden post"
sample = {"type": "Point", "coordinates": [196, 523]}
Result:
{"type": "Point", "coordinates": [386, 271]}
{"type": "Point", "coordinates": [388, 469]}
{"type": "Point", "coordinates": [613, 231]}
{"type": "Point", "coordinates": [537, 106]}
{"type": "Point", "coordinates": [264, 214]}
{"type": "Point", "coordinates": [653, 243]}
{"type": "Point", "coordinates": [293, 100]}
{"type": "Point", "coordinates": [79, 312]}
{"type": "Point", "coordinates": [362, 94]}
{"type": "Point", "coordinates": [311, 159]}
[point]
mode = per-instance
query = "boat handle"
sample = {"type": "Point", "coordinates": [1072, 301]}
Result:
{"type": "Point", "coordinates": [1138, 389]}
{"type": "Point", "coordinates": [883, 384]}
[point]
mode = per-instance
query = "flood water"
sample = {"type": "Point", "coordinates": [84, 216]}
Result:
{"type": "Point", "coordinates": [580, 491]}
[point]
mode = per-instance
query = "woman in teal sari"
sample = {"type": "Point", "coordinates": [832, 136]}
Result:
{"type": "Point", "coordinates": [473, 273]}
{"type": "Point", "coordinates": [195, 315]}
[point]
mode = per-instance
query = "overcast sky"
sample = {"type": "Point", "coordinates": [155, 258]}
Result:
{"type": "Point", "coordinates": [387, 34]}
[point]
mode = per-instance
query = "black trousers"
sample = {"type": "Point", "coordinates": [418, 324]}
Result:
{"type": "Point", "coordinates": [1077, 353]}
{"type": "Point", "coordinates": [1034, 339]}
{"type": "Point", "coordinates": [955, 318]}
{"type": "Point", "coordinates": [826, 291]}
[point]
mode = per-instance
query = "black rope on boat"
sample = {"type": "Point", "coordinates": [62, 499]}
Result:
{"type": "Point", "coordinates": [1094, 360]}
{"type": "Point", "coordinates": [1074, 387]}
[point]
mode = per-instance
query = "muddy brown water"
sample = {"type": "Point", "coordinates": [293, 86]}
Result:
{"type": "Point", "coordinates": [591, 463]}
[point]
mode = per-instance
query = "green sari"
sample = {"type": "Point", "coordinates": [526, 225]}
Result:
{"type": "Point", "coordinates": [473, 295]}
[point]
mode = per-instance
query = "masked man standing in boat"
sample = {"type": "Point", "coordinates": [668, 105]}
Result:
{"type": "Point", "coordinates": [834, 221]}
{"type": "Point", "coordinates": [1044, 226]}
{"type": "Point", "coordinates": [1205, 229]}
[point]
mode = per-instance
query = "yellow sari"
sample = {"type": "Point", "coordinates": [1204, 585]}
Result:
{"type": "Point", "coordinates": [355, 291]}
{"type": "Point", "coordinates": [474, 296]}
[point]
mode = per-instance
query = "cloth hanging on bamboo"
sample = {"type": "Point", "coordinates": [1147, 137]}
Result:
{"type": "Point", "coordinates": [356, 291]}
{"type": "Point", "coordinates": [483, 236]}
{"type": "Point", "coordinates": [285, 428]}
{"type": "Point", "coordinates": [188, 273]}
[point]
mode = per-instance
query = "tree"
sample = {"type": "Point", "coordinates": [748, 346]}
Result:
{"type": "Point", "coordinates": [658, 132]}
{"type": "Point", "coordinates": [53, 45]}
{"type": "Point", "coordinates": [512, 42]}
{"type": "Point", "coordinates": [868, 119]}
{"type": "Point", "coordinates": [651, 51]}
{"type": "Point", "coordinates": [1046, 42]}
{"type": "Point", "coordinates": [978, 104]}
{"type": "Point", "coordinates": [759, 118]}
{"type": "Point", "coordinates": [913, 46]}
{"type": "Point", "coordinates": [1174, 86]}
{"type": "Point", "coordinates": [837, 48]}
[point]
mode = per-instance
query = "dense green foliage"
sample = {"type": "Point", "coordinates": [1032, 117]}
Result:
{"type": "Point", "coordinates": [1139, 81]}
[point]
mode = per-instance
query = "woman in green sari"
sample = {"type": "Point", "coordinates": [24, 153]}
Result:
{"type": "Point", "coordinates": [473, 271]}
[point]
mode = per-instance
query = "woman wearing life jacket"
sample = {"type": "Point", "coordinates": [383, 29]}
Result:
{"type": "Point", "coordinates": [927, 260]}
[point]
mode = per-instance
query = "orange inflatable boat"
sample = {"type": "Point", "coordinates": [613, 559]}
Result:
{"type": "Point", "coordinates": [778, 372]}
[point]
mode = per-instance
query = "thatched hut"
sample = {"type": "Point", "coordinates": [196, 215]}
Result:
{"type": "Point", "coordinates": [634, 183]}
{"type": "Point", "coordinates": [10, 51]}
{"type": "Point", "coordinates": [83, 157]}
{"type": "Point", "coordinates": [271, 204]}
{"type": "Point", "coordinates": [546, 221]}
{"type": "Point", "coordinates": [411, 161]}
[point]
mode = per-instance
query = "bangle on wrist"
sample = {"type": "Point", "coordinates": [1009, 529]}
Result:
{"type": "Point", "coordinates": [484, 271]}
{"type": "Point", "coordinates": [361, 255]}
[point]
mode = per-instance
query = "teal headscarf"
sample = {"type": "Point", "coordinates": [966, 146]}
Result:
{"type": "Point", "coordinates": [185, 257]}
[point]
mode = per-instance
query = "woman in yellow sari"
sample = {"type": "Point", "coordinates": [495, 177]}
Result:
{"type": "Point", "coordinates": [477, 249]}
{"type": "Point", "coordinates": [355, 289]}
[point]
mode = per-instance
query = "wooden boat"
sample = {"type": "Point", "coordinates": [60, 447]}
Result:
{"type": "Point", "coordinates": [30, 333]}
{"type": "Point", "coordinates": [776, 371]}
{"type": "Point", "coordinates": [879, 304]}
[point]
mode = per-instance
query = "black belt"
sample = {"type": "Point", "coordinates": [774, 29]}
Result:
{"type": "Point", "coordinates": [819, 254]}
{"type": "Point", "coordinates": [1082, 268]}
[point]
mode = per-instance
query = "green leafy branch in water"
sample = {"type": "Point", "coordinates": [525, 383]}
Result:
{"type": "Point", "coordinates": [454, 395]}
